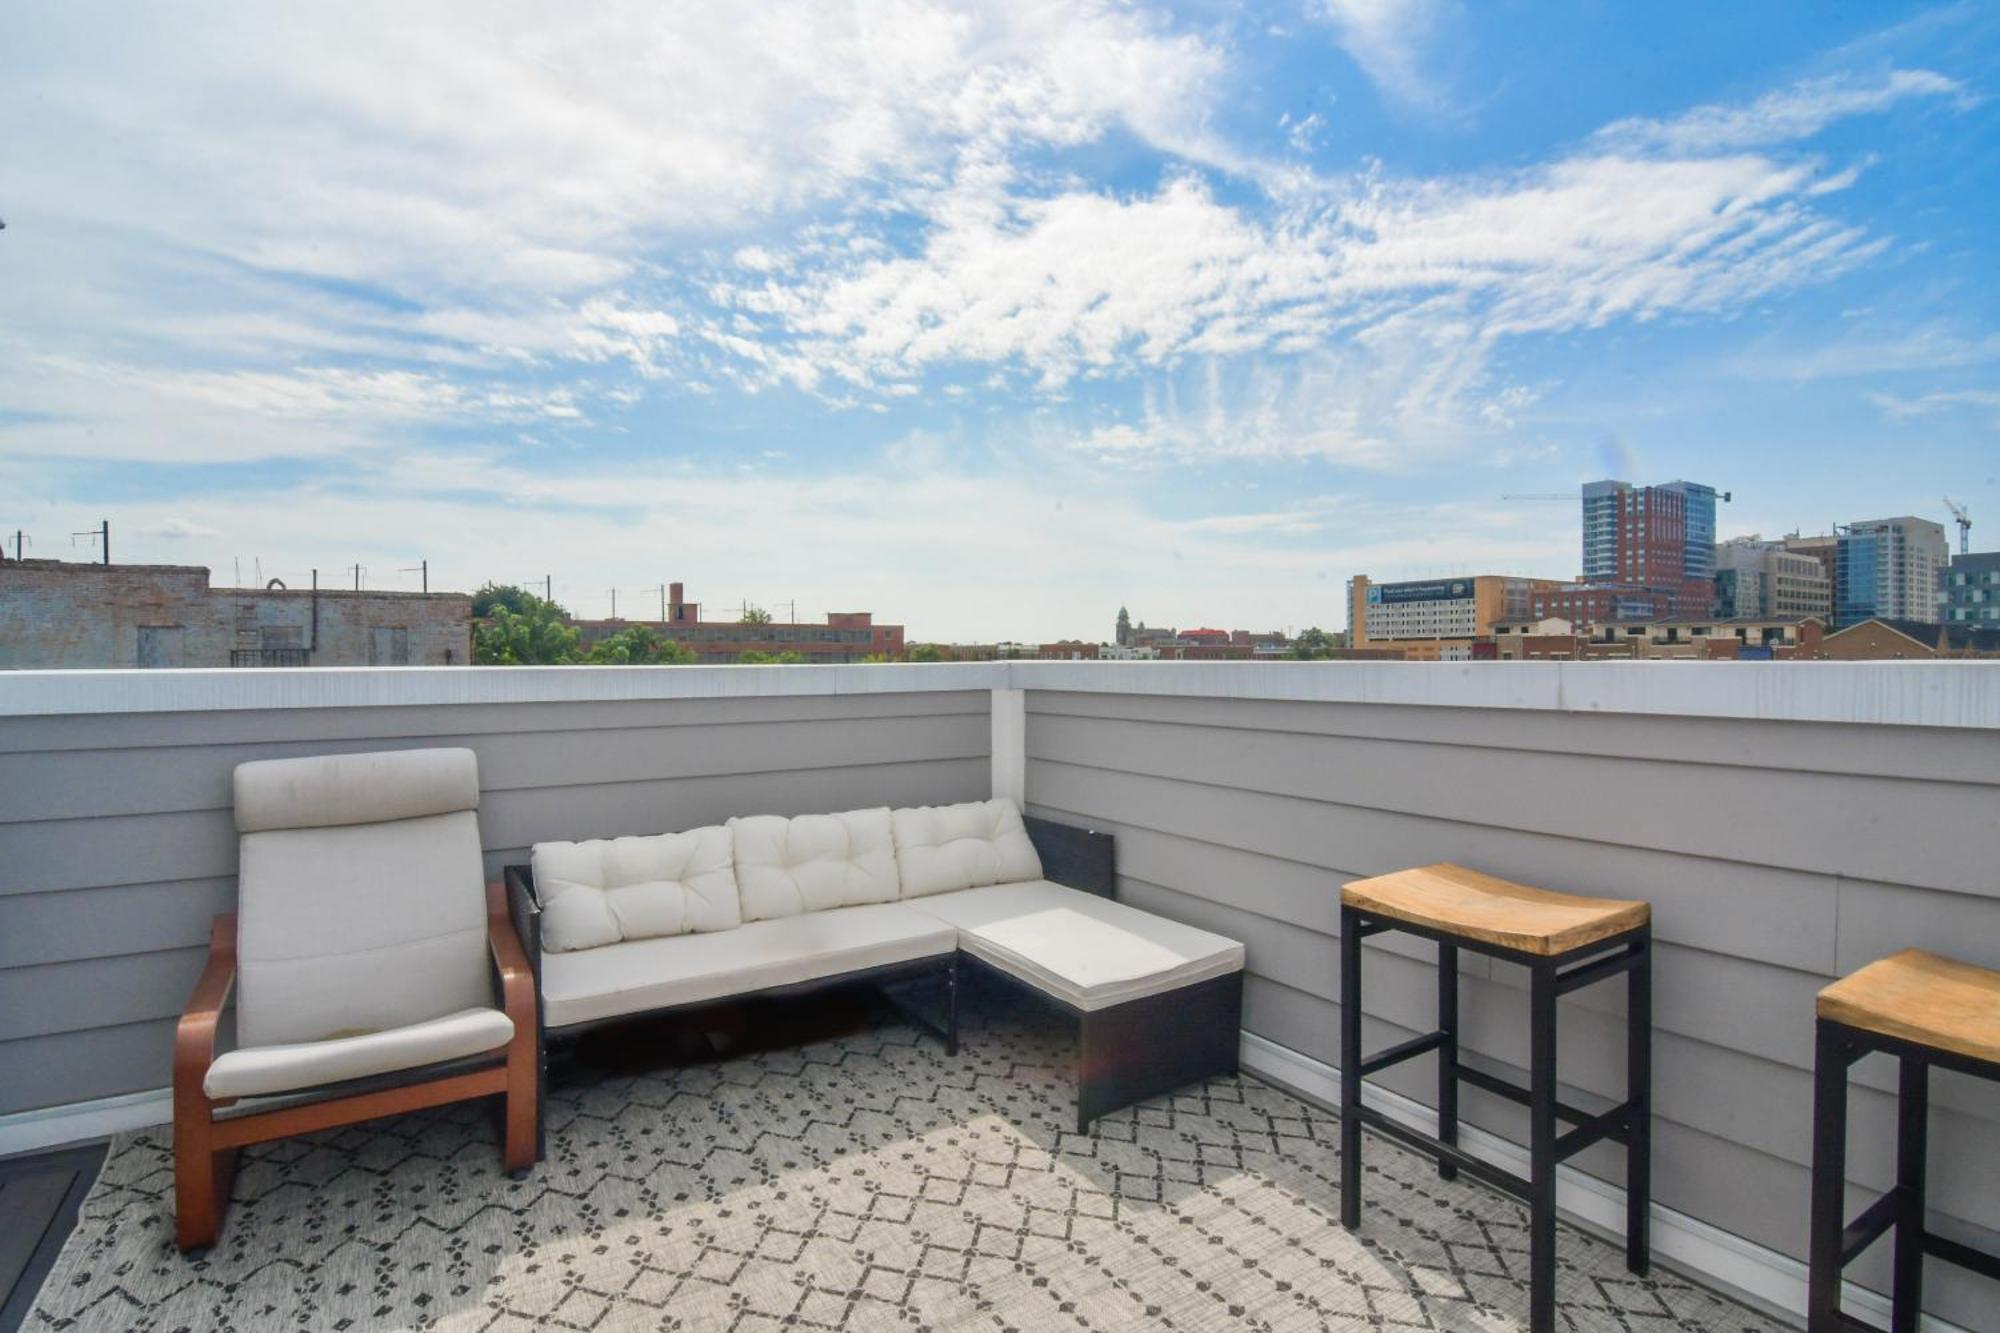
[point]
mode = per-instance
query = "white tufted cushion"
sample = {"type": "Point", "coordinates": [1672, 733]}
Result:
{"type": "Point", "coordinates": [612, 889]}
{"type": "Point", "coordinates": [945, 847]}
{"type": "Point", "coordinates": [813, 862]}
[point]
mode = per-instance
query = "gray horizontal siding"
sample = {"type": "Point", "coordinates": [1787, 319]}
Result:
{"type": "Point", "coordinates": [117, 843]}
{"type": "Point", "coordinates": [1776, 856]}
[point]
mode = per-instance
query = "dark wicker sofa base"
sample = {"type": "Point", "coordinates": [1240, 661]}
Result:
{"type": "Point", "coordinates": [1126, 1053]}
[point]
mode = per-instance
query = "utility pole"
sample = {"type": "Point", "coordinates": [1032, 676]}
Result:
{"type": "Point", "coordinates": [100, 534]}
{"type": "Point", "coordinates": [548, 587]}
{"type": "Point", "coordinates": [424, 568]}
{"type": "Point", "coordinates": [358, 571]}
{"type": "Point", "coordinates": [19, 540]}
{"type": "Point", "coordinates": [614, 603]}
{"type": "Point", "coordinates": [663, 603]}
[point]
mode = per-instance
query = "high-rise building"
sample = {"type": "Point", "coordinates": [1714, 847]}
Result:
{"type": "Point", "coordinates": [1754, 577]}
{"type": "Point", "coordinates": [1969, 590]}
{"type": "Point", "coordinates": [1888, 568]}
{"type": "Point", "coordinates": [1698, 536]}
{"type": "Point", "coordinates": [1649, 542]}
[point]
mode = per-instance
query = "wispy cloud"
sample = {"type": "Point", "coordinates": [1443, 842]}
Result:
{"type": "Point", "coordinates": [1784, 116]}
{"type": "Point", "coordinates": [1392, 42]}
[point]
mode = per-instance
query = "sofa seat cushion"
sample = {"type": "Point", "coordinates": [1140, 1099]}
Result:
{"type": "Point", "coordinates": [258, 1071]}
{"type": "Point", "coordinates": [944, 847]}
{"type": "Point", "coordinates": [1087, 951]}
{"type": "Point", "coordinates": [813, 862]}
{"type": "Point", "coordinates": [639, 975]}
{"type": "Point", "coordinates": [611, 889]}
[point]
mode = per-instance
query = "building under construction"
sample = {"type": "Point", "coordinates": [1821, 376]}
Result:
{"type": "Point", "coordinates": [56, 613]}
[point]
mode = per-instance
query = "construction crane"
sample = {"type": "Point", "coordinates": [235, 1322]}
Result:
{"type": "Point", "coordinates": [1964, 525]}
{"type": "Point", "coordinates": [1548, 495]}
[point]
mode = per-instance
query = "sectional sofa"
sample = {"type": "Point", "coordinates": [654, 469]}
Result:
{"type": "Point", "coordinates": [770, 905]}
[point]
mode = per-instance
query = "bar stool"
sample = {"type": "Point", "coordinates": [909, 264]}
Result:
{"type": "Point", "coordinates": [1565, 942]}
{"type": "Point", "coordinates": [1926, 1011]}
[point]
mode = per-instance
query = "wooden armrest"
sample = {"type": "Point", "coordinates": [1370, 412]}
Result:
{"type": "Point", "coordinates": [194, 1036]}
{"type": "Point", "coordinates": [517, 978]}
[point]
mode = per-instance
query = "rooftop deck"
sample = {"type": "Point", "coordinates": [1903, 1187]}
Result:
{"type": "Point", "coordinates": [1789, 823]}
{"type": "Point", "coordinates": [858, 1180]}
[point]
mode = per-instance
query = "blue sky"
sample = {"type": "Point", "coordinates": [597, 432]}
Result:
{"type": "Point", "coordinates": [987, 319]}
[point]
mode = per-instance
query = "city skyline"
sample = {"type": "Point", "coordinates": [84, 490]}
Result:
{"type": "Point", "coordinates": [922, 313]}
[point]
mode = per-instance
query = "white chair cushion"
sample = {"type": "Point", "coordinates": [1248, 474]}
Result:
{"type": "Point", "coordinates": [639, 975]}
{"type": "Point", "coordinates": [813, 862]}
{"type": "Point", "coordinates": [1088, 951]}
{"type": "Point", "coordinates": [944, 847]}
{"type": "Point", "coordinates": [611, 889]}
{"type": "Point", "coordinates": [257, 1071]}
{"type": "Point", "coordinates": [359, 927]}
{"type": "Point", "coordinates": [325, 790]}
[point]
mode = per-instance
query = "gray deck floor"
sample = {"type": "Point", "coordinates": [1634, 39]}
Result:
{"type": "Point", "coordinates": [858, 1179]}
{"type": "Point", "coordinates": [39, 1197]}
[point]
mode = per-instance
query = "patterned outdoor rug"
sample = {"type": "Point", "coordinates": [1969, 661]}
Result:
{"type": "Point", "coordinates": [861, 1181]}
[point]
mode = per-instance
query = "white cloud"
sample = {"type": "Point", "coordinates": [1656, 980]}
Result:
{"type": "Point", "coordinates": [1899, 407]}
{"type": "Point", "coordinates": [1784, 116]}
{"type": "Point", "coordinates": [1391, 40]}
{"type": "Point", "coordinates": [1395, 293]}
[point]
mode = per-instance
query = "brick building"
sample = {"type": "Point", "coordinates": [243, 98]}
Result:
{"type": "Point", "coordinates": [844, 636]}
{"type": "Point", "coordinates": [57, 614]}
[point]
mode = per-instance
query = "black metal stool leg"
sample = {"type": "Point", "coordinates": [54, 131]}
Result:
{"type": "Point", "coordinates": [1542, 1148]}
{"type": "Point", "coordinates": [1350, 1068]}
{"type": "Point", "coordinates": [1829, 1178]}
{"type": "Point", "coordinates": [1912, 1120]}
{"type": "Point", "coordinates": [1639, 1095]}
{"type": "Point", "coordinates": [1448, 1054]}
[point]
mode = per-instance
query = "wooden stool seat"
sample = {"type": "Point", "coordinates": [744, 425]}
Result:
{"type": "Point", "coordinates": [1923, 998]}
{"type": "Point", "coordinates": [1456, 901]}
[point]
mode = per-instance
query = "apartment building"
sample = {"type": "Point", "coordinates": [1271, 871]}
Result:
{"type": "Point", "coordinates": [1887, 568]}
{"type": "Point", "coordinates": [1969, 590]}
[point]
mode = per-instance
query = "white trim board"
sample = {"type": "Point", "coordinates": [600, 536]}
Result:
{"type": "Point", "coordinates": [81, 1122]}
{"type": "Point", "coordinates": [1921, 694]}
{"type": "Point", "coordinates": [1762, 1276]}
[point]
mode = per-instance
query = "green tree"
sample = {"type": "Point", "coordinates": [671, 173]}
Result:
{"type": "Point", "coordinates": [1315, 644]}
{"type": "Point", "coordinates": [924, 652]}
{"type": "Point", "coordinates": [756, 615]}
{"type": "Point", "coordinates": [636, 645]}
{"type": "Point", "coordinates": [876, 659]}
{"type": "Point", "coordinates": [539, 634]}
{"type": "Point", "coordinates": [494, 595]}
{"type": "Point", "coordinates": [755, 658]}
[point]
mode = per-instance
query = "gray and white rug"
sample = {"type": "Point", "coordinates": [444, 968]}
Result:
{"type": "Point", "coordinates": [860, 1181]}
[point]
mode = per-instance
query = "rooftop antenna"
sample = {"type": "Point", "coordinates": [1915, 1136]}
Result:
{"type": "Point", "coordinates": [421, 567]}
{"type": "Point", "coordinates": [1964, 525]}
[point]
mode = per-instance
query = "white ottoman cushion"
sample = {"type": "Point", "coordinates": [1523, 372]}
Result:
{"type": "Point", "coordinates": [1089, 951]}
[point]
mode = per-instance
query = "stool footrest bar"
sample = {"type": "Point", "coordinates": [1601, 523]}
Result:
{"type": "Point", "coordinates": [1401, 1051]}
{"type": "Point", "coordinates": [1614, 1124]}
{"type": "Point", "coordinates": [1418, 1141]}
{"type": "Point", "coordinates": [1862, 1232]}
{"type": "Point", "coordinates": [1514, 1092]}
{"type": "Point", "coordinates": [1954, 1252]}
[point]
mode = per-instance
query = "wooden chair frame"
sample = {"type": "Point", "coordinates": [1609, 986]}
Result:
{"type": "Point", "coordinates": [205, 1145]}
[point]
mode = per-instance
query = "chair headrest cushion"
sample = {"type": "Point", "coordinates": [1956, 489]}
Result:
{"type": "Point", "coordinates": [323, 791]}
